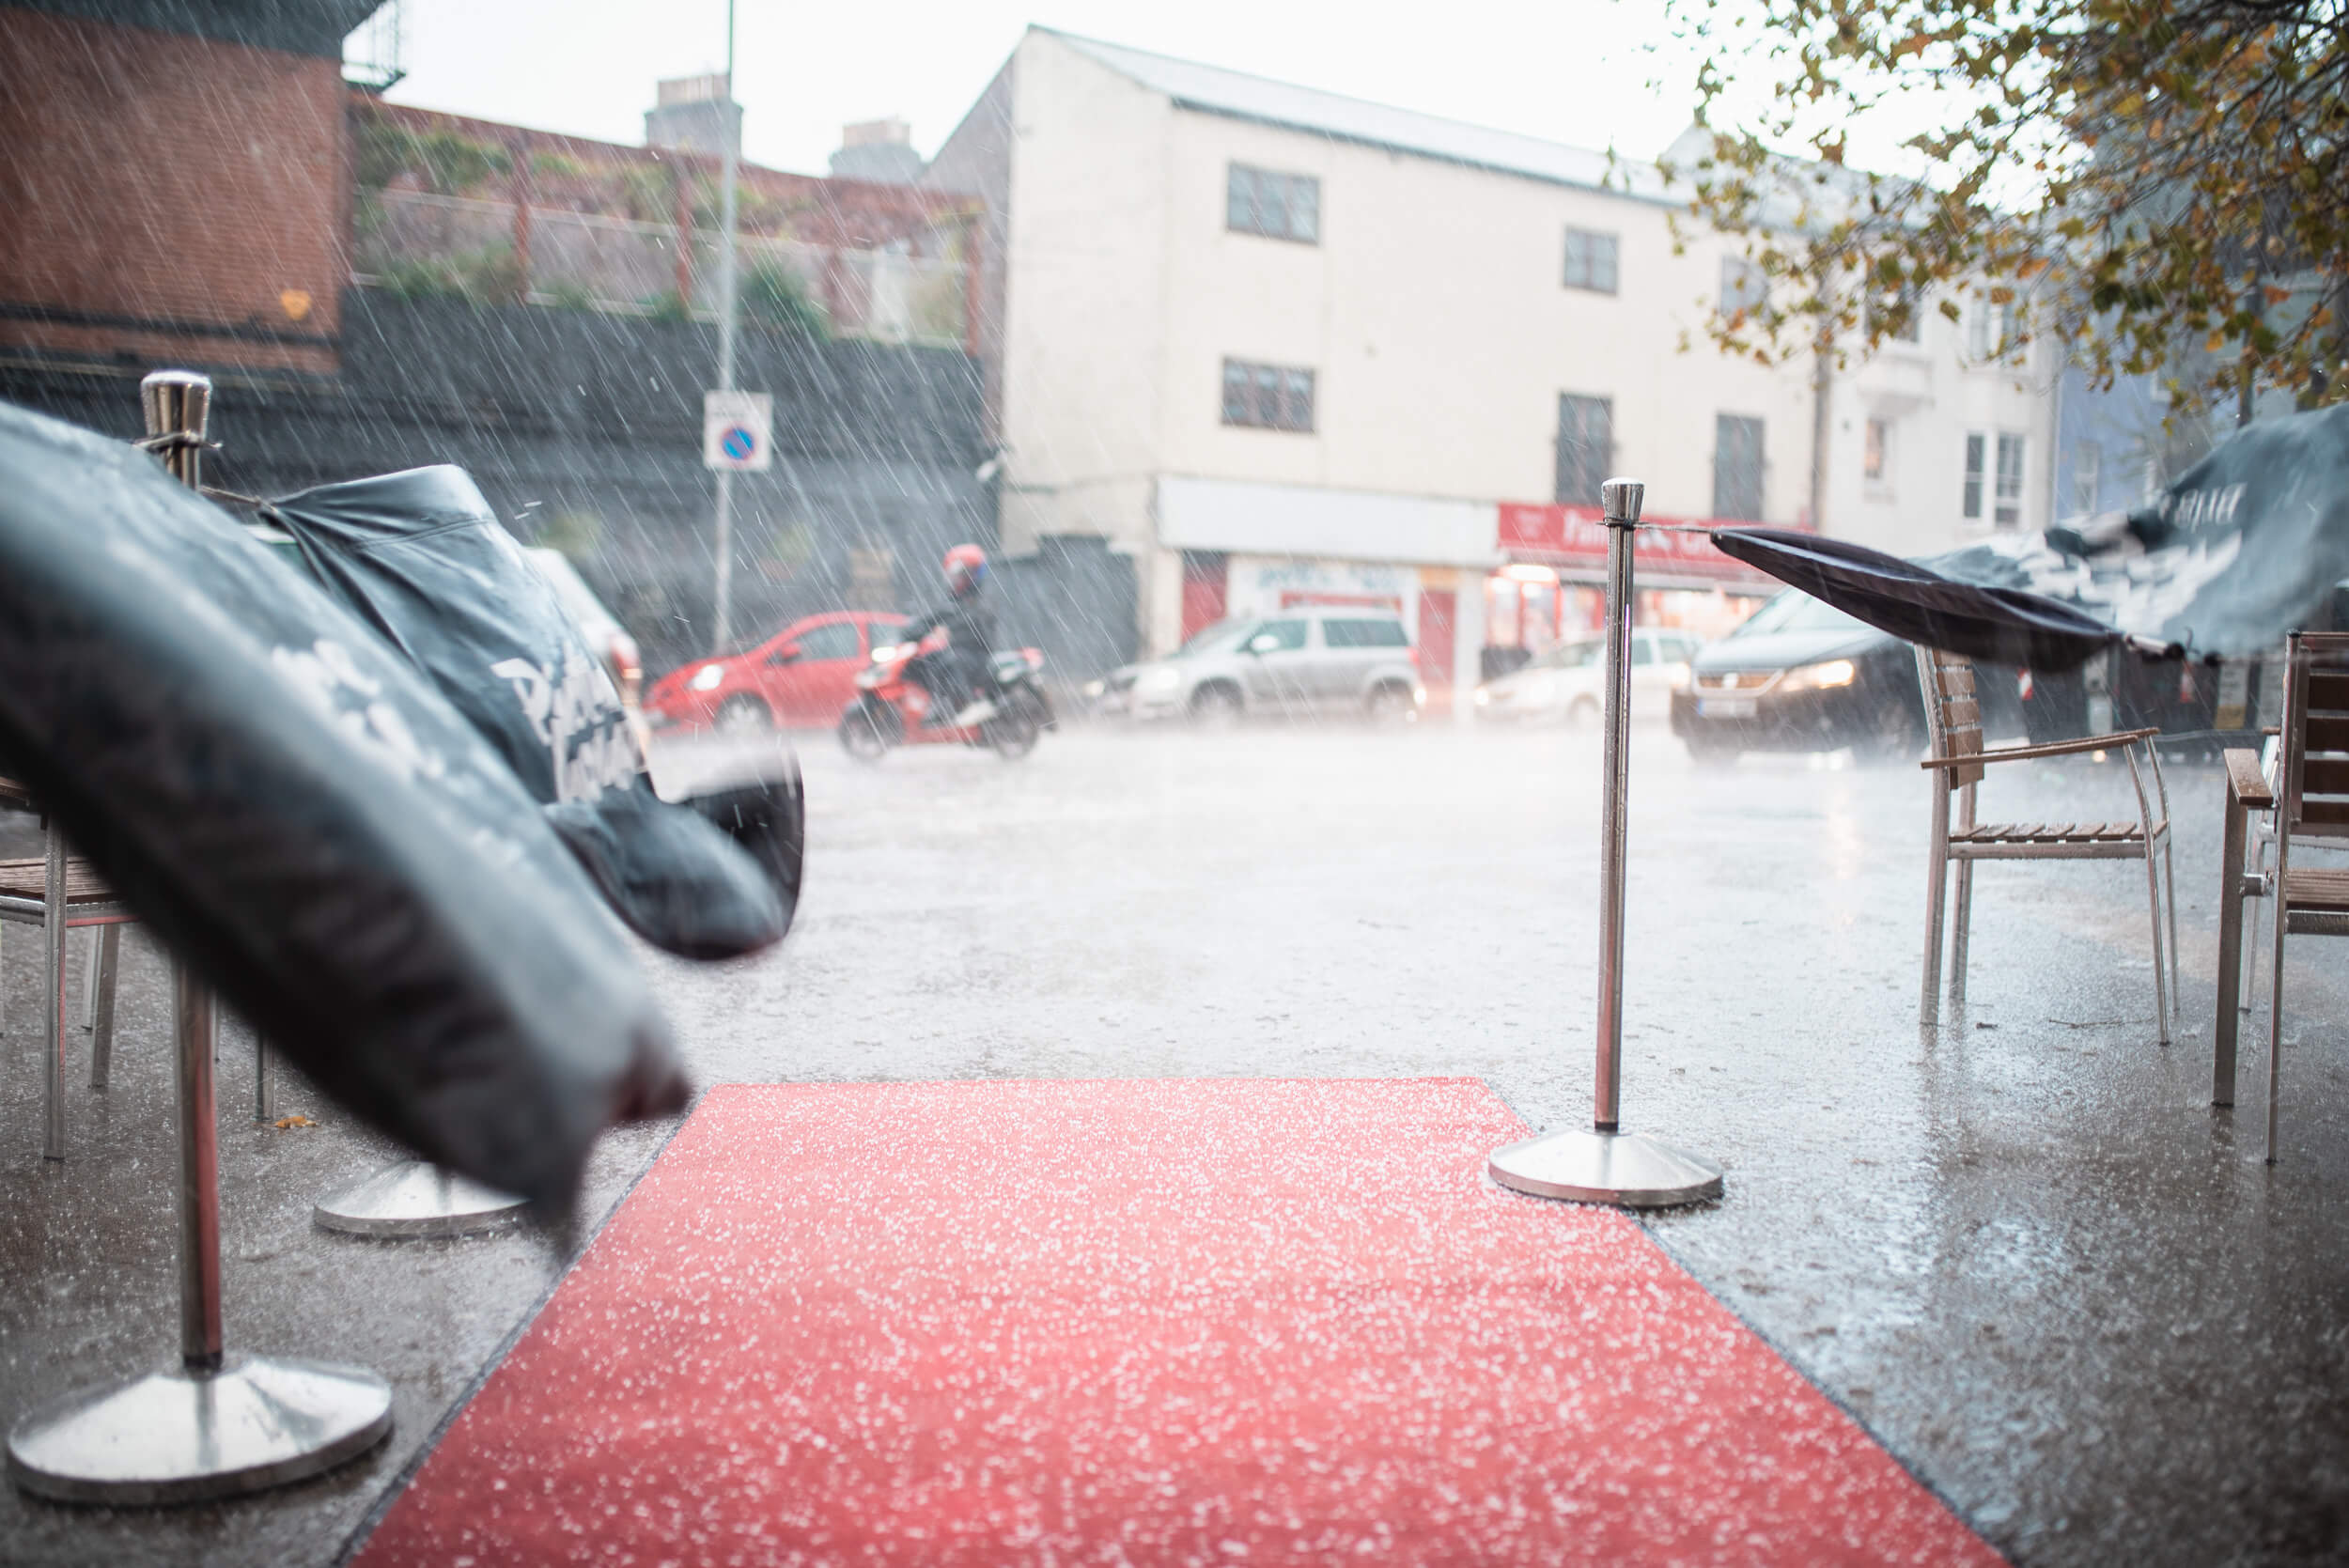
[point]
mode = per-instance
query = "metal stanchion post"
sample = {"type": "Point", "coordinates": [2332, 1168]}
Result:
{"type": "Point", "coordinates": [216, 1424]}
{"type": "Point", "coordinates": [1604, 1164]}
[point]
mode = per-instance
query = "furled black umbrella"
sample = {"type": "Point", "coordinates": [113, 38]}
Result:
{"type": "Point", "coordinates": [309, 825]}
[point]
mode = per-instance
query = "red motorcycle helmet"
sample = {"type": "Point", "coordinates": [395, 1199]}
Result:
{"type": "Point", "coordinates": [966, 568]}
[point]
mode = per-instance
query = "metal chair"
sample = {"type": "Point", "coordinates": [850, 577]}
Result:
{"type": "Point", "coordinates": [2310, 801]}
{"type": "Point", "coordinates": [57, 893]}
{"type": "Point", "coordinates": [1954, 724]}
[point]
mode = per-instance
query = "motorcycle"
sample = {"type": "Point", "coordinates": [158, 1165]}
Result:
{"type": "Point", "coordinates": [892, 710]}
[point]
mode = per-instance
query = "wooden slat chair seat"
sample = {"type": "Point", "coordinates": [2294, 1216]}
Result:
{"type": "Point", "coordinates": [1959, 761]}
{"type": "Point", "coordinates": [30, 880]}
{"type": "Point", "coordinates": [89, 903]}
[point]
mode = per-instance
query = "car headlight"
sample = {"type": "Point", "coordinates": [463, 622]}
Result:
{"type": "Point", "coordinates": [707, 677]}
{"type": "Point", "coordinates": [884, 653]}
{"type": "Point", "coordinates": [1483, 697]}
{"type": "Point", "coordinates": [1094, 688]}
{"type": "Point", "coordinates": [1161, 680]}
{"type": "Point", "coordinates": [1818, 678]}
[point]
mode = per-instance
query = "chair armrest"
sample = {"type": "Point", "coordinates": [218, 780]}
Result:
{"type": "Point", "coordinates": [2053, 749]}
{"type": "Point", "coordinates": [14, 794]}
{"type": "Point", "coordinates": [2244, 780]}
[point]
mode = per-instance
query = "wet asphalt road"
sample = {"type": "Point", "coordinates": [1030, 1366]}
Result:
{"type": "Point", "coordinates": [2021, 1248]}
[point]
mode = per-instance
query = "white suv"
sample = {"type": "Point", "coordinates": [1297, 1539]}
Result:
{"type": "Point", "coordinates": [1303, 661]}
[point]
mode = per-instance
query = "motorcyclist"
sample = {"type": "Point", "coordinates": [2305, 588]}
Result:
{"type": "Point", "coordinates": [955, 676]}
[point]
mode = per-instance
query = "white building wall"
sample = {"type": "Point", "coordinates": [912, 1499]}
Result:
{"type": "Point", "coordinates": [1433, 316]}
{"type": "Point", "coordinates": [1084, 314]}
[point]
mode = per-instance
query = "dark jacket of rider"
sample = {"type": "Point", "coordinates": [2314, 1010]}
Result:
{"type": "Point", "coordinates": [961, 665]}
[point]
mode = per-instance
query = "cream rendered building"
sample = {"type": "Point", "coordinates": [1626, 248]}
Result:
{"type": "Point", "coordinates": [1315, 345]}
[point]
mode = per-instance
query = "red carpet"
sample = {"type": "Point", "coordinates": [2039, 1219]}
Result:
{"type": "Point", "coordinates": [1200, 1322]}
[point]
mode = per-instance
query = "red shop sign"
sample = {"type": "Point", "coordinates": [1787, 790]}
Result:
{"type": "Point", "coordinates": [1577, 536]}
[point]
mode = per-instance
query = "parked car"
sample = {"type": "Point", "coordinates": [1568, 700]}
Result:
{"type": "Point", "coordinates": [1567, 684]}
{"type": "Point", "coordinates": [1800, 676]}
{"type": "Point", "coordinates": [1352, 662]}
{"type": "Point", "coordinates": [605, 636]}
{"type": "Point", "coordinates": [802, 678]}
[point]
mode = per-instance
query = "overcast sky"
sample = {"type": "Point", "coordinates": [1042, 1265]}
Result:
{"type": "Point", "coordinates": [1577, 71]}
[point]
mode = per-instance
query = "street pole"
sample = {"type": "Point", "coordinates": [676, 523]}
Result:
{"type": "Point", "coordinates": [723, 591]}
{"type": "Point", "coordinates": [1604, 1164]}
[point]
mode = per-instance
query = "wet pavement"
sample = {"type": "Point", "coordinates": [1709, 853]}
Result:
{"type": "Point", "coordinates": [2021, 1248]}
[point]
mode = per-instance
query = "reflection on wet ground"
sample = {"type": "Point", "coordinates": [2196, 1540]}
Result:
{"type": "Point", "coordinates": [2021, 1247]}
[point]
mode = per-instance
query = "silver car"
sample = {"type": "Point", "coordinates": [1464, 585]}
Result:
{"type": "Point", "coordinates": [1321, 662]}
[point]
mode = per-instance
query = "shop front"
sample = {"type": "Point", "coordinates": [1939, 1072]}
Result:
{"type": "Point", "coordinates": [1551, 585]}
{"type": "Point", "coordinates": [1257, 550]}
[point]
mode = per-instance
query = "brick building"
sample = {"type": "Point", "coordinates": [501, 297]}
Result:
{"type": "Point", "coordinates": [175, 178]}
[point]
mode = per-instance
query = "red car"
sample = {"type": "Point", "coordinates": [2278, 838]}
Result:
{"type": "Point", "coordinates": [802, 678]}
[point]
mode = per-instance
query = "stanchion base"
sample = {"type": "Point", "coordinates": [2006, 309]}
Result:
{"type": "Point", "coordinates": [1621, 1168]}
{"type": "Point", "coordinates": [184, 1437]}
{"type": "Point", "coordinates": [413, 1198]}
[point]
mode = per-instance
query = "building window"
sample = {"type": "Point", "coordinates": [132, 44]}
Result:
{"type": "Point", "coordinates": [1268, 396]}
{"type": "Point", "coordinates": [1586, 447]}
{"type": "Point", "coordinates": [1993, 328]}
{"type": "Point", "coordinates": [2008, 513]}
{"type": "Point", "coordinates": [1742, 285]}
{"type": "Point", "coordinates": [1876, 453]}
{"type": "Point", "coordinates": [1974, 448]}
{"type": "Point", "coordinates": [1278, 206]}
{"type": "Point", "coordinates": [1737, 468]}
{"type": "Point", "coordinates": [1590, 260]}
{"type": "Point", "coordinates": [2088, 477]}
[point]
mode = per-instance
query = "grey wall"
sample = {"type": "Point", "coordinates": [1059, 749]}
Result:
{"type": "Point", "coordinates": [585, 431]}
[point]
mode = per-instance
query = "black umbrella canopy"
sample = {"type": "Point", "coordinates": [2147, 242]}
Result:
{"type": "Point", "coordinates": [2003, 626]}
{"type": "Point", "coordinates": [2246, 545]}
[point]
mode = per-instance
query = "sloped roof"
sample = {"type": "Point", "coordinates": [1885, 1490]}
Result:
{"type": "Point", "coordinates": [1214, 90]}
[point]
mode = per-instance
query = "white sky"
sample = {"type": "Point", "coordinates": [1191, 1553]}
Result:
{"type": "Point", "coordinates": [1576, 72]}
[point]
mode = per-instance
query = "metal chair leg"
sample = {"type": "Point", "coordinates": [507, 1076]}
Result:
{"type": "Point", "coordinates": [2276, 1016]}
{"type": "Point", "coordinates": [1937, 877]}
{"type": "Point", "coordinates": [2161, 982]}
{"type": "Point", "coordinates": [2169, 896]}
{"type": "Point", "coordinates": [1961, 926]}
{"type": "Point", "coordinates": [102, 990]}
{"type": "Point", "coordinates": [90, 938]}
{"type": "Point", "coordinates": [53, 999]}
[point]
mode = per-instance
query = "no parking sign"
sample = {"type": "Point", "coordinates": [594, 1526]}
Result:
{"type": "Point", "coordinates": [737, 430]}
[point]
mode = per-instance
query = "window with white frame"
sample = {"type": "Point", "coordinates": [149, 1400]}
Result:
{"type": "Point", "coordinates": [1978, 331]}
{"type": "Point", "coordinates": [1277, 206]}
{"type": "Point", "coordinates": [1586, 447]}
{"type": "Point", "coordinates": [1268, 396]}
{"type": "Point", "coordinates": [2088, 477]}
{"type": "Point", "coordinates": [1876, 454]}
{"type": "Point", "coordinates": [2007, 510]}
{"type": "Point", "coordinates": [1738, 468]}
{"type": "Point", "coordinates": [1591, 260]}
{"type": "Point", "coordinates": [1977, 446]}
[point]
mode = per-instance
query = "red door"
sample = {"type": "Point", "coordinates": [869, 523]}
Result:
{"type": "Point", "coordinates": [1438, 606]}
{"type": "Point", "coordinates": [1205, 575]}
